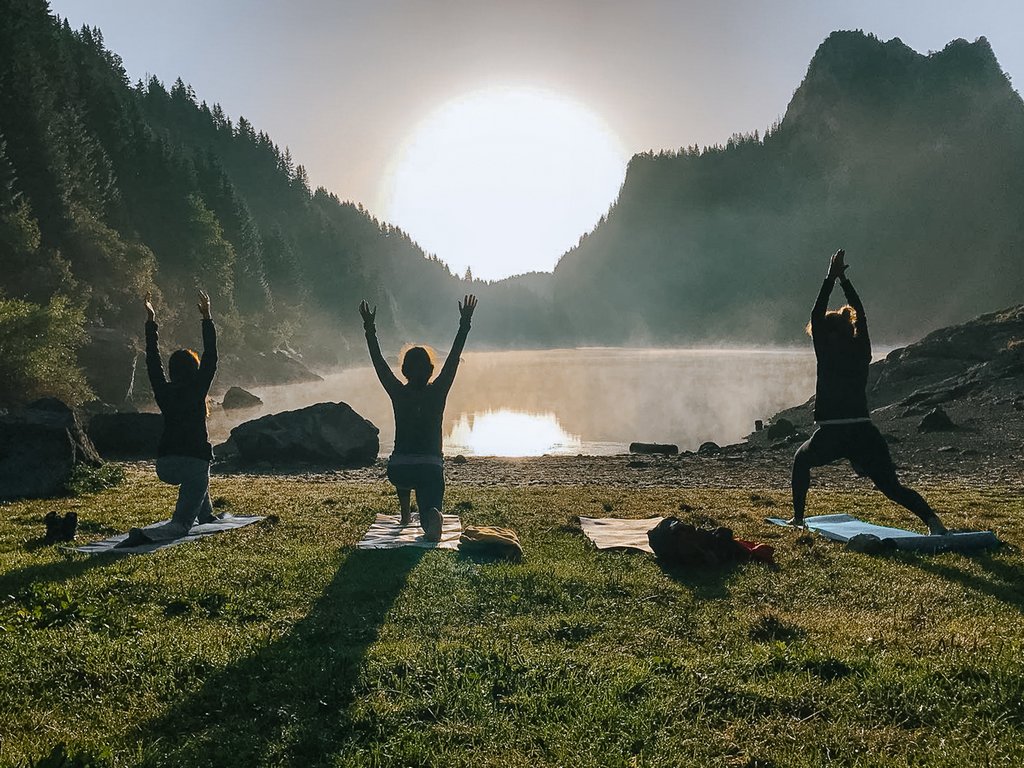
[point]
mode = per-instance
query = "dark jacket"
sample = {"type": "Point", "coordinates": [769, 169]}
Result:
{"type": "Point", "coordinates": [842, 368]}
{"type": "Point", "coordinates": [419, 410]}
{"type": "Point", "coordinates": [183, 404]}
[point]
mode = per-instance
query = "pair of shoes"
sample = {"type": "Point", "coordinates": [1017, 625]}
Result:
{"type": "Point", "coordinates": [60, 528]}
{"type": "Point", "coordinates": [432, 523]}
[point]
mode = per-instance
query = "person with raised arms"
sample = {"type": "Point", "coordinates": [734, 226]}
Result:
{"type": "Point", "coordinates": [417, 462]}
{"type": "Point", "coordinates": [843, 425]}
{"type": "Point", "coordinates": [184, 454]}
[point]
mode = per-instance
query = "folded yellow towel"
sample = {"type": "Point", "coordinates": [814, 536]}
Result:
{"type": "Point", "coordinates": [491, 541]}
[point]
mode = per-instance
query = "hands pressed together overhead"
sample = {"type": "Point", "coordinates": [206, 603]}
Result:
{"type": "Point", "coordinates": [837, 266]}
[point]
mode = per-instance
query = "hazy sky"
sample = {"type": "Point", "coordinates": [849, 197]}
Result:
{"type": "Point", "coordinates": [344, 83]}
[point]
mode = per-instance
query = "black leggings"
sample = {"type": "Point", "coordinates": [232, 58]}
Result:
{"type": "Point", "coordinates": [864, 446]}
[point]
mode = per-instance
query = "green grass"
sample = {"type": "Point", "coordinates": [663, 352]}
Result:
{"type": "Point", "coordinates": [279, 644]}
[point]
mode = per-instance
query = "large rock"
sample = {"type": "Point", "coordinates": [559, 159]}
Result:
{"type": "Point", "coordinates": [40, 446]}
{"type": "Point", "coordinates": [326, 434]}
{"type": "Point", "coordinates": [109, 361]}
{"type": "Point", "coordinates": [126, 435]}
{"type": "Point", "coordinates": [237, 398]}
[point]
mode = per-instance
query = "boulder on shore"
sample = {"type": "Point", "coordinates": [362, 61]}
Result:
{"type": "Point", "coordinates": [40, 446]}
{"type": "Point", "coordinates": [936, 420]}
{"type": "Point", "coordinates": [238, 398]}
{"type": "Point", "coordinates": [325, 434]}
{"type": "Point", "coordinates": [126, 435]}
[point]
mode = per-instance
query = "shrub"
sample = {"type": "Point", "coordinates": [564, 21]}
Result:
{"type": "Point", "coordinates": [38, 348]}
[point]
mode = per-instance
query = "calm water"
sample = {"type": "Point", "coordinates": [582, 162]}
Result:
{"type": "Point", "coordinates": [593, 401]}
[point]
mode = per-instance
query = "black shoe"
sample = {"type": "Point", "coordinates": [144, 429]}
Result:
{"type": "Point", "coordinates": [69, 526]}
{"type": "Point", "coordinates": [53, 527]}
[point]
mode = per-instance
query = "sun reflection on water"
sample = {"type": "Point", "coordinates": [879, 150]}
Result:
{"type": "Point", "coordinates": [510, 433]}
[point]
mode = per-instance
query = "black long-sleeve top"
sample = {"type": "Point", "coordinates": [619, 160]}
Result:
{"type": "Point", "coordinates": [183, 404]}
{"type": "Point", "coordinates": [842, 368]}
{"type": "Point", "coordinates": [419, 410]}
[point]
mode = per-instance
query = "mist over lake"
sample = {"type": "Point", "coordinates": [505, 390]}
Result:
{"type": "Point", "coordinates": [591, 400]}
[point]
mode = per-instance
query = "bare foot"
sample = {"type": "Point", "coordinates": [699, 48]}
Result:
{"type": "Point", "coordinates": [432, 524]}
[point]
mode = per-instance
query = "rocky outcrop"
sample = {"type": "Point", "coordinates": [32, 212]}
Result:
{"type": "Point", "coordinates": [40, 446]}
{"type": "Point", "coordinates": [126, 435]}
{"type": "Point", "coordinates": [325, 434]}
{"type": "Point", "coordinates": [237, 398]}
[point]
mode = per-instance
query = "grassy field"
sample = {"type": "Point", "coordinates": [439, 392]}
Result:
{"type": "Point", "coordinates": [279, 644]}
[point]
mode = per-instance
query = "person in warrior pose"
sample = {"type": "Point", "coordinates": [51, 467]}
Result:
{"type": "Point", "coordinates": [844, 428]}
{"type": "Point", "coordinates": [184, 454]}
{"type": "Point", "coordinates": [417, 463]}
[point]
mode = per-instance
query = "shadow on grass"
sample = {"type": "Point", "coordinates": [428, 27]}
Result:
{"type": "Point", "coordinates": [705, 582]}
{"type": "Point", "coordinates": [288, 703]}
{"type": "Point", "coordinates": [1002, 580]}
{"type": "Point", "coordinates": [46, 573]}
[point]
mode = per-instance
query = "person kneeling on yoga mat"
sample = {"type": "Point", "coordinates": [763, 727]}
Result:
{"type": "Point", "coordinates": [417, 463]}
{"type": "Point", "coordinates": [844, 428]}
{"type": "Point", "coordinates": [184, 454]}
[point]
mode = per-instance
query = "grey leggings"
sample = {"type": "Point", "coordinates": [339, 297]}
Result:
{"type": "Point", "coordinates": [192, 476]}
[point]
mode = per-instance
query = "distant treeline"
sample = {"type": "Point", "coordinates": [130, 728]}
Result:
{"type": "Point", "coordinates": [108, 189]}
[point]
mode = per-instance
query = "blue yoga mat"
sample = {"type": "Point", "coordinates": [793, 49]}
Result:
{"type": "Point", "coordinates": [845, 527]}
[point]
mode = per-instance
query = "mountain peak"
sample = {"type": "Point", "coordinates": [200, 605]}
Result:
{"type": "Point", "coordinates": [857, 72]}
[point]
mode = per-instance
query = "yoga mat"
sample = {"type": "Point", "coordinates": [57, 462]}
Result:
{"type": "Point", "coordinates": [845, 527]}
{"type": "Point", "coordinates": [227, 523]}
{"type": "Point", "coordinates": [387, 533]}
{"type": "Point", "coordinates": [616, 533]}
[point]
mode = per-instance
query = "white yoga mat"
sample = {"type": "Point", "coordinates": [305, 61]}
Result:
{"type": "Point", "coordinates": [226, 523]}
{"type": "Point", "coordinates": [616, 533]}
{"type": "Point", "coordinates": [387, 533]}
{"type": "Point", "coordinates": [845, 527]}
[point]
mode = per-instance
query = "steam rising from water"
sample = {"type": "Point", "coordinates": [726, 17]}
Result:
{"type": "Point", "coordinates": [524, 403]}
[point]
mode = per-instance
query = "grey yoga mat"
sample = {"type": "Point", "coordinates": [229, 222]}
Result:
{"type": "Point", "coordinates": [845, 527]}
{"type": "Point", "coordinates": [226, 523]}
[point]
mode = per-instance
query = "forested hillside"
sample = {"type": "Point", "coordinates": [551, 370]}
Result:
{"type": "Point", "coordinates": [913, 163]}
{"type": "Point", "coordinates": [110, 189]}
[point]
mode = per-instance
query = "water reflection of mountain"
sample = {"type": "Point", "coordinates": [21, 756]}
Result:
{"type": "Point", "coordinates": [600, 395]}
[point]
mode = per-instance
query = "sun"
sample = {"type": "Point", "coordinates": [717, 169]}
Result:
{"type": "Point", "coordinates": [503, 180]}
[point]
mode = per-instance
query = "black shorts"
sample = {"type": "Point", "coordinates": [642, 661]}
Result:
{"type": "Point", "coordinates": [426, 479]}
{"type": "Point", "coordinates": [860, 442]}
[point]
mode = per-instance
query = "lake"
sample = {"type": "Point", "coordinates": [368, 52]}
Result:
{"type": "Point", "coordinates": [590, 401]}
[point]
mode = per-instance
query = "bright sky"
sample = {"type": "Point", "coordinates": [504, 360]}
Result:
{"type": "Point", "coordinates": [353, 87]}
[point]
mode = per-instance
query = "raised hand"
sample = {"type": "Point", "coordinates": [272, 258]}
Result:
{"type": "Point", "coordinates": [204, 305]}
{"type": "Point", "coordinates": [837, 267]}
{"type": "Point", "coordinates": [466, 307]}
{"type": "Point", "coordinates": [150, 312]}
{"type": "Point", "coordinates": [369, 317]}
